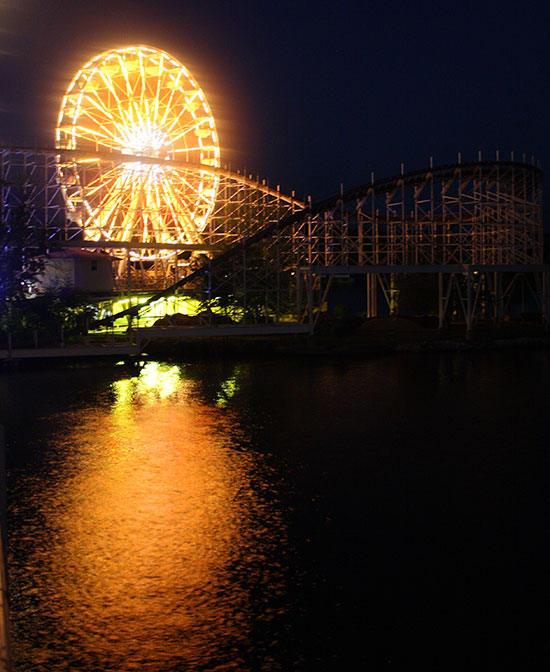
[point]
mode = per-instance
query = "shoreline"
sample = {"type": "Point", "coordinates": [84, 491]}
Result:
{"type": "Point", "coordinates": [379, 336]}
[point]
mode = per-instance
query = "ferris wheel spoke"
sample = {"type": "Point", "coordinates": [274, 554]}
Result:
{"type": "Point", "coordinates": [121, 111]}
{"type": "Point", "coordinates": [189, 187]}
{"type": "Point", "coordinates": [140, 117]}
{"type": "Point", "coordinates": [117, 87]}
{"type": "Point", "coordinates": [169, 205]}
{"type": "Point", "coordinates": [93, 136]}
{"type": "Point", "coordinates": [106, 174]}
{"type": "Point", "coordinates": [96, 102]}
{"type": "Point", "coordinates": [119, 104]}
{"type": "Point", "coordinates": [189, 107]}
{"type": "Point", "coordinates": [143, 84]}
{"type": "Point", "coordinates": [157, 92]}
{"type": "Point", "coordinates": [147, 114]}
{"type": "Point", "coordinates": [158, 228]}
{"type": "Point", "coordinates": [99, 213]}
{"type": "Point", "coordinates": [173, 87]}
{"type": "Point", "coordinates": [108, 116]}
{"type": "Point", "coordinates": [114, 190]}
{"type": "Point", "coordinates": [124, 70]}
{"type": "Point", "coordinates": [191, 226]}
{"type": "Point", "coordinates": [185, 180]}
{"type": "Point", "coordinates": [106, 216]}
{"type": "Point", "coordinates": [109, 84]}
{"type": "Point", "coordinates": [177, 129]}
{"type": "Point", "coordinates": [84, 131]}
{"type": "Point", "coordinates": [128, 218]}
{"type": "Point", "coordinates": [103, 186]}
{"type": "Point", "coordinates": [103, 183]}
{"type": "Point", "coordinates": [190, 104]}
{"type": "Point", "coordinates": [136, 80]}
{"type": "Point", "coordinates": [101, 132]}
{"type": "Point", "coordinates": [111, 197]}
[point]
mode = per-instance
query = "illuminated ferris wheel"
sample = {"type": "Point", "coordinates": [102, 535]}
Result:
{"type": "Point", "coordinates": [140, 103]}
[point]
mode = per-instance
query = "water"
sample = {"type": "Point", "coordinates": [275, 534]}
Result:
{"type": "Point", "coordinates": [279, 515]}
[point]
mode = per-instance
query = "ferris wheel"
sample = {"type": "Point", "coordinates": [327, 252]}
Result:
{"type": "Point", "coordinates": [141, 103]}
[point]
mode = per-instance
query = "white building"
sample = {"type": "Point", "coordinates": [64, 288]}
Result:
{"type": "Point", "coordinates": [78, 270]}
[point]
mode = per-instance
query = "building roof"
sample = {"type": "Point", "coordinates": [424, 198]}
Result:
{"type": "Point", "coordinates": [77, 253]}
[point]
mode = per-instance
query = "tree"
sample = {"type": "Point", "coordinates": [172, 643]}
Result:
{"type": "Point", "coordinates": [21, 247]}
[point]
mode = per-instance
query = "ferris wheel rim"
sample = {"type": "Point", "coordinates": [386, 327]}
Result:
{"type": "Point", "coordinates": [141, 109]}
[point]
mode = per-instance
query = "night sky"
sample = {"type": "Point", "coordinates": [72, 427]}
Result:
{"type": "Point", "coordinates": [308, 95]}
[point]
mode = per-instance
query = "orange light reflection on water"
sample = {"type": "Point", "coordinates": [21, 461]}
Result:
{"type": "Point", "coordinates": [138, 544]}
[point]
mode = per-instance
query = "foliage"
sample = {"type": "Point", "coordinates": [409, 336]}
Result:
{"type": "Point", "coordinates": [22, 311]}
{"type": "Point", "coordinates": [21, 248]}
{"type": "Point", "coordinates": [51, 311]}
{"type": "Point", "coordinates": [72, 311]}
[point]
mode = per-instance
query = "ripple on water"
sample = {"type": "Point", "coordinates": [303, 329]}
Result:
{"type": "Point", "coordinates": [149, 537]}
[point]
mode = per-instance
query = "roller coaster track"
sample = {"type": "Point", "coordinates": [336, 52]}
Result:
{"type": "Point", "coordinates": [481, 170]}
{"type": "Point", "coordinates": [477, 169]}
{"type": "Point", "coordinates": [89, 156]}
{"type": "Point", "coordinates": [485, 209]}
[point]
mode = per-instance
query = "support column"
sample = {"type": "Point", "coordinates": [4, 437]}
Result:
{"type": "Point", "coordinates": [370, 306]}
{"type": "Point", "coordinates": [394, 292]}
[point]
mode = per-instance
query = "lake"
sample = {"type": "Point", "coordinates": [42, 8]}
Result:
{"type": "Point", "coordinates": [279, 514]}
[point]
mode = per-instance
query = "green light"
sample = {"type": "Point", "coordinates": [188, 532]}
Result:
{"type": "Point", "coordinates": [155, 381]}
{"type": "Point", "coordinates": [228, 388]}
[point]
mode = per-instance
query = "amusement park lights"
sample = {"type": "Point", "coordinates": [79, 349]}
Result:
{"type": "Point", "coordinates": [137, 102]}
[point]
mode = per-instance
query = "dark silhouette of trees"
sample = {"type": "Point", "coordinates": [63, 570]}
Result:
{"type": "Point", "coordinates": [21, 259]}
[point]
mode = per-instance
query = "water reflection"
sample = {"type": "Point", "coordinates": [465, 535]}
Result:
{"type": "Point", "coordinates": [229, 387]}
{"type": "Point", "coordinates": [143, 547]}
{"type": "Point", "coordinates": [155, 381]}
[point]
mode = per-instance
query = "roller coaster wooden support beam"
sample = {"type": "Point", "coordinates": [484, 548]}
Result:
{"type": "Point", "coordinates": [473, 220]}
{"type": "Point", "coordinates": [467, 290]}
{"type": "Point", "coordinates": [372, 299]}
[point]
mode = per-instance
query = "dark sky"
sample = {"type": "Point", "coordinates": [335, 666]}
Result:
{"type": "Point", "coordinates": [308, 94]}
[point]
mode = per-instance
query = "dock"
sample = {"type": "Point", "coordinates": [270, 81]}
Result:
{"type": "Point", "coordinates": [122, 350]}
